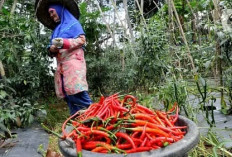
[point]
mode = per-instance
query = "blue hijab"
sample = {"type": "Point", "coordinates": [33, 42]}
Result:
{"type": "Point", "coordinates": [69, 26]}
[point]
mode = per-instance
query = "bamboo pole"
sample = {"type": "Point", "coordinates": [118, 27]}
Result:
{"type": "Point", "coordinates": [194, 21]}
{"type": "Point", "coordinates": [156, 5]}
{"type": "Point", "coordinates": [125, 29]}
{"type": "Point", "coordinates": [218, 52]}
{"type": "Point", "coordinates": [128, 20]}
{"type": "Point", "coordinates": [184, 38]}
{"type": "Point", "coordinates": [171, 35]}
{"type": "Point", "coordinates": [142, 6]}
{"type": "Point", "coordinates": [115, 7]}
{"type": "Point", "coordinates": [1, 4]}
{"type": "Point", "coordinates": [171, 25]}
{"type": "Point", "coordinates": [107, 24]}
{"type": "Point", "coordinates": [13, 7]}
{"type": "Point", "coordinates": [2, 71]}
{"type": "Point", "coordinates": [141, 12]}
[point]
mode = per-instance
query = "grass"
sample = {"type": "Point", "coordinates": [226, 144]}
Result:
{"type": "Point", "coordinates": [57, 113]}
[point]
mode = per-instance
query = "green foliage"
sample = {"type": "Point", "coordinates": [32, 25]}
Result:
{"type": "Point", "coordinates": [210, 146]}
{"type": "Point", "coordinates": [152, 54]}
{"type": "Point", "coordinates": [22, 52]}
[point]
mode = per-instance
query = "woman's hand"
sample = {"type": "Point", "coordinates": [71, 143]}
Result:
{"type": "Point", "coordinates": [53, 49]}
{"type": "Point", "coordinates": [58, 42]}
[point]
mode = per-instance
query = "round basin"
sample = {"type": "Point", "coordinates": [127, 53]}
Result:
{"type": "Point", "coordinates": [177, 149]}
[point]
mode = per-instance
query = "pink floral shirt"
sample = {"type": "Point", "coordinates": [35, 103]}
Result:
{"type": "Point", "coordinates": [71, 63]}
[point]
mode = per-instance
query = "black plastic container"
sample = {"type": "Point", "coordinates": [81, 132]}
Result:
{"type": "Point", "coordinates": [178, 149]}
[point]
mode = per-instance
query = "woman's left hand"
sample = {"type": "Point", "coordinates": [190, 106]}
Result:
{"type": "Point", "coordinates": [54, 49]}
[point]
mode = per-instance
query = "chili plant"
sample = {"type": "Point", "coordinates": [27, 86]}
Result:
{"type": "Point", "coordinates": [202, 89]}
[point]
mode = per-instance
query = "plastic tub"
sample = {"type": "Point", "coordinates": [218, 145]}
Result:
{"type": "Point", "coordinates": [178, 149]}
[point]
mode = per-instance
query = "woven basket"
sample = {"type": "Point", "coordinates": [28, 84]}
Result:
{"type": "Point", "coordinates": [41, 10]}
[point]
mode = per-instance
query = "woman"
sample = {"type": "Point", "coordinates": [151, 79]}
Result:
{"type": "Point", "coordinates": [66, 44]}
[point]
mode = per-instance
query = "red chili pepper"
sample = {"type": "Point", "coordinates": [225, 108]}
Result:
{"type": "Point", "coordinates": [161, 139]}
{"type": "Point", "coordinates": [124, 146]}
{"type": "Point", "coordinates": [155, 147]}
{"type": "Point", "coordinates": [102, 98]}
{"type": "Point", "coordinates": [135, 134]}
{"type": "Point", "coordinates": [143, 132]}
{"type": "Point", "coordinates": [129, 97]}
{"type": "Point", "coordinates": [107, 147]}
{"type": "Point", "coordinates": [139, 149]}
{"type": "Point", "coordinates": [137, 140]}
{"type": "Point", "coordinates": [147, 110]}
{"type": "Point", "coordinates": [103, 110]}
{"type": "Point", "coordinates": [96, 132]}
{"type": "Point", "coordinates": [71, 134]}
{"type": "Point", "coordinates": [119, 108]}
{"type": "Point", "coordinates": [173, 108]}
{"type": "Point", "coordinates": [154, 131]}
{"type": "Point", "coordinates": [144, 142]}
{"type": "Point", "coordinates": [179, 127]}
{"type": "Point", "coordinates": [66, 121]}
{"type": "Point", "coordinates": [78, 145]}
{"type": "Point", "coordinates": [99, 149]}
{"type": "Point", "coordinates": [104, 151]}
{"type": "Point", "coordinates": [165, 118]}
{"type": "Point", "coordinates": [91, 144]}
{"type": "Point", "coordinates": [148, 135]}
{"type": "Point", "coordinates": [156, 117]}
{"type": "Point", "coordinates": [176, 117]}
{"type": "Point", "coordinates": [143, 117]}
{"type": "Point", "coordinates": [125, 136]}
{"type": "Point", "coordinates": [155, 126]}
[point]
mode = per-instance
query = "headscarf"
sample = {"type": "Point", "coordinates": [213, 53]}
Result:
{"type": "Point", "coordinates": [69, 26]}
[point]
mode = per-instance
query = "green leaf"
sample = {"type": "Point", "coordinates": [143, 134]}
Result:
{"type": "Point", "coordinates": [224, 111]}
{"type": "Point", "coordinates": [215, 152]}
{"type": "Point", "coordinates": [31, 119]}
{"type": "Point", "coordinates": [3, 127]}
{"type": "Point", "coordinates": [27, 104]}
{"type": "Point", "coordinates": [196, 77]}
{"type": "Point", "coordinates": [202, 81]}
{"type": "Point", "coordinates": [3, 94]}
{"type": "Point", "coordinates": [207, 64]}
{"type": "Point", "coordinates": [213, 138]}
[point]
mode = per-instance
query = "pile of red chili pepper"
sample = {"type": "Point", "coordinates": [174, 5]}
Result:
{"type": "Point", "coordinates": [123, 126]}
